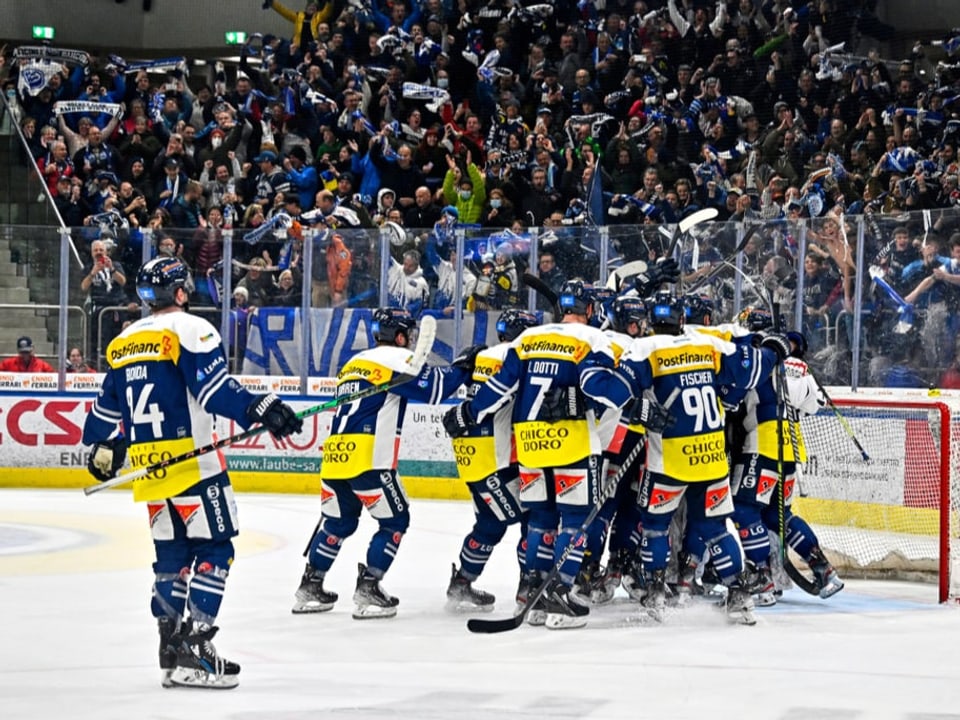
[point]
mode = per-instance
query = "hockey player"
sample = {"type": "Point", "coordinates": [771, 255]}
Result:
{"type": "Point", "coordinates": [360, 463]}
{"type": "Point", "coordinates": [487, 463]}
{"type": "Point", "coordinates": [555, 373]}
{"type": "Point", "coordinates": [803, 398]}
{"type": "Point", "coordinates": [166, 378]}
{"type": "Point", "coordinates": [686, 457]}
{"type": "Point", "coordinates": [619, 519]}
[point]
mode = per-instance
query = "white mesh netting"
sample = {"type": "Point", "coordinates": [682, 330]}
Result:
{"type": "Point", "coordinates": [882, 517]}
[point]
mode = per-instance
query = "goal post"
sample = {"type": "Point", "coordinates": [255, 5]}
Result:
{"type": "Point", "coordinates": [894, 515]}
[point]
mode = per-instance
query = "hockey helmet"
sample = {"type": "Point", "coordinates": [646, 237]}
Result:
{"type": "Point", "coordinates": [755, 319]}
{"type": "Point", "coordinates": [698, 309]}
{"type": "Point", "coordinates": [514, 321]}
{"type": "Point", "coordinates": [390, 322]}
{"type": "Point", "coordinates": [158, 280]}
{"type": "Point", "coordinates": [575, 298]}
{"type": "Point", "coordinates": [666, 313]}
{"type": "Point", "coordinates": [799, 341]}
{"type": "Point", "coordinates": [626, 310]}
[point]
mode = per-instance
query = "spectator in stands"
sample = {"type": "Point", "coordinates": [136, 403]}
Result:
{"type": "Point", "coordinates": [69, 202]}
{"type": "Point", "coordinates": [406, 286]}
{"type": "Point", "coordinates": [76, 363]}
{"type": "Point", "coordinates": [171, 186]}
{"type": "Point", "coordinates": [424, 213]}
{"type": "Point", "coordinates": [287, 292]}
{"type": "Point", "coordinates": [466, 193]}
{"type": "Point", "coordinates": [303, 178]}
{"type": "Point", "coordinates": [105, 284]}
{"type": "Point", "coordinates": [240, 314]}
{"type": "Point", "coordinates": [258, 282]}
{"type": "Point", "coordinates": [498, 210]}
{"type": "Point", "coordinates": [25, 361]}
{"type": "Point", "coordinates": [186, 211]}
{"type": "Point", "coordinates": [553, 276]}
{"type": "Point", "coordinates": [55, 164]}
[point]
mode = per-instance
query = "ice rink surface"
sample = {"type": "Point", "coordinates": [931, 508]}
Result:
{"type": "Point", "coordinates": [77, 640]}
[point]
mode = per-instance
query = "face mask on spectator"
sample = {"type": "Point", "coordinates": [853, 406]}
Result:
{"type": "Point", "coordinates": [494, 202]}
{"type": "Point", "coordinates": [443, 83]}
{"type": "Point", "coordinates": [352, 69]}
{"type": "Point", "coordinates": [465, 194]}
{"type": "Point", "coordinates": [216, 142]}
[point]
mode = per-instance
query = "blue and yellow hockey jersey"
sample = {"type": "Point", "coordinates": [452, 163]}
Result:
{"type": "Point", "coordinates": [167, 377]}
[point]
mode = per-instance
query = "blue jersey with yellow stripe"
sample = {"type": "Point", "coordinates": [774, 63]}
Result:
{"type": "Point", "coordinates": [365, 433]}
{"type": "Point", "coordinates": [570, 357]}
{"type": "Point", "coordinates": [167, 377]}
{"type": "Point", "coordinates": [686, 370]}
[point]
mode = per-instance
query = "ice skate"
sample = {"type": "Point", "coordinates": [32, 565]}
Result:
{"type": "Point", "coordinates": [632, 580]}
{"type": "Point", "coordinates": [371, 599]}
{"type": "Point", "coordinates": [582, 586]}
{"type": "Point", "coordinates": [764, 589]}
{"type": "Point", "coordinates": [168, 627]}
{"type": "Point", "coordinates": [310, 596]}
{"type": "Point", "coordinates": [537, 615]}
{"type": "Point", "coordinates": [739, 606]}
{"type": "Point", "coordinates": [687, 587]}
{"type": "Point", "coordinates": [654, 599]}
{"type": "Point", "coordinates": [462, 596]}
{"type": "Point", "coordinates": [562, 611]}
{"type": "Point", "coordinates": [605, 584]}
{"type": "Point", "coordinates": [827, 577]}
{"type": "Point", "coordinates": [198, 665]}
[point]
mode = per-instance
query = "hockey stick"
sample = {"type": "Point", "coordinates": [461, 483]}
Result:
{"type": "Point", "coordinates": [543, 290]}
{"type": "Point", "coordinates": [689, 222]}
{"type": "Point", "coordinates": [427, 334]}
{"type": "Point", "coordinates": [799, 579]}
{"type": "Point", "coordinates": [718, 268]}
{"type": "Point", "coordinates": [482, 625]}
{"type": "Point", "coordinates": [843, 420]}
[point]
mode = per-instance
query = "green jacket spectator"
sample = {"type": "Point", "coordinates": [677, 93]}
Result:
{"type": "Point", "coordinates": [467, 194]}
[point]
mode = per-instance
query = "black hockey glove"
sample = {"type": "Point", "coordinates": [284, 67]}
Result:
{"type": "Point", "coordinates": [562, 404]}
{"type": "Point", "coordinates": [467, 358]}
{"type": "Point", "coordinates": [458, 421]}
{"type": "Point", "coordinates": [278, 417]}
{"type": "Point", "coordinates": [664, 271]}
{"type": "Point", "coordinates": [651, 414]}
{"type": "Point", "coordinates": [106, 458]}
{"type": "Point", "coordinates": [778, 344]}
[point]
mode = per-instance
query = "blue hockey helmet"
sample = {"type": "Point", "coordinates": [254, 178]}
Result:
{"type": "Point", "coordinates": [514, 321]}
{"type": "Point", "coordinates": [666, 313]}
{"type": "Point", "coordinates": [627, 310]}
{"type": "Point", "coordinates": [799, 341]}
{"type": "Point", "coordinates": [575, 298]}
{"type": "Point", "coordinates": [390, 322]}
{"type": "Point", "coordinates": [698, 309]}
{"type": "Point", "coordinates": [755, 319]}
{"type": "Point", "coordinates": [158, 280]}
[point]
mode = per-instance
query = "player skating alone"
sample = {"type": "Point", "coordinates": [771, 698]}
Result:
{"type": "Point", "coordinates": [167, 377]}
{"type": "Point", "coordinates": [487, 463]}
{"type": "Point", "coordinates": [360, 463]}
{"type": "Point", "coordinates": [555, 373]}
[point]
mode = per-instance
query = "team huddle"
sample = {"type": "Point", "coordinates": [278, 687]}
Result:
{"type": "Point", "coordinates": [630, 425]}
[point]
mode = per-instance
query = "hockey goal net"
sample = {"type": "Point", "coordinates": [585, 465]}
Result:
{"type": "Point", "coordinates": [895, 514]}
